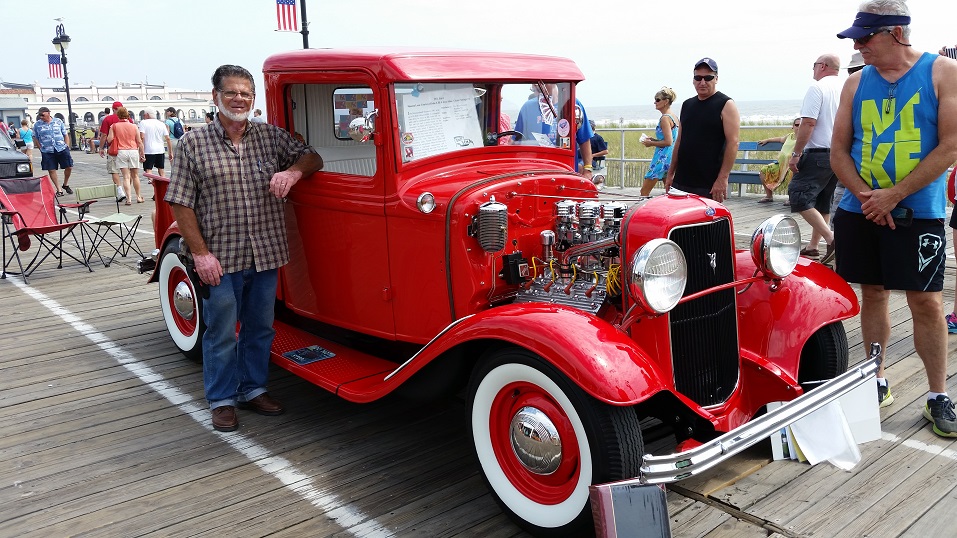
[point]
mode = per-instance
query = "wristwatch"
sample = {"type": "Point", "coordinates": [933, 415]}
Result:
{"type": "Point", "coordinates": [793, 154]}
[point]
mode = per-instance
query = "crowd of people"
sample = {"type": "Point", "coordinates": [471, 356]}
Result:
{"type": "Point", "coordinates": [150, 139]}
{"type": "Point", "coordinates": [887, 135]}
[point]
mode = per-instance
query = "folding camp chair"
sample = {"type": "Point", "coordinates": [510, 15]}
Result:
{"type": "Point", "coordinates": [116, 231]}
{"type": "Point", "coordinates": [29, 209]}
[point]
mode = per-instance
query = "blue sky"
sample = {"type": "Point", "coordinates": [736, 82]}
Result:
{"type": "Point", "coordinates": [627, 49]}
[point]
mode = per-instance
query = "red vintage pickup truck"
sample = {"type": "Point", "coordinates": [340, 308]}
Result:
{"type": "Point", "coordinates": [438, 253]}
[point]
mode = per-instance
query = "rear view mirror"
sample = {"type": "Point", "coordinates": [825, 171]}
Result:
{"type": "Point", "coordinates": [361, 129]}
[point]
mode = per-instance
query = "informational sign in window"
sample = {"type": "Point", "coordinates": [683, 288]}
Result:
{"type": "Point", "coordinates": [438, 120]}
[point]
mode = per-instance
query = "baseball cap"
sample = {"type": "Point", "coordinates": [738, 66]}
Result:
{"type": "Point", "coordinates": [865, 23]}
{"type": "Point", "coordinates": [42, 110]}
{"type": "Point", "coordinates": [117, 104]}
{"type": "Point", "coordinates": [713, 65]}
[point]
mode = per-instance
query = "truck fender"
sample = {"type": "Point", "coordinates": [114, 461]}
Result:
{"type": "Point", "coordinates": [770, 324]}
{"type": "Point", "coordinates": [597, 356]}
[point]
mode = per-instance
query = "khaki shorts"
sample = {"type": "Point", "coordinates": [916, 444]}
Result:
{"type": "Point", "coordinates": [111, 167]}
{"type": "Point", "coordinates": [128, 158]}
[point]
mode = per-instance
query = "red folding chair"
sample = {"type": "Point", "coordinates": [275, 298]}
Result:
{"type": "Point", "coordinates": [28, 209]}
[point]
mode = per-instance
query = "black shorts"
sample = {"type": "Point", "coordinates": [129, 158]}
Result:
{"type": "Point", "coordinates": [905, 258]}
{"type": "Point", "coordinates": [155, 160]}
{"type": "Point", "coordinates": [813, 185]}
{"type": "Point", "coordinates": [953, 218]}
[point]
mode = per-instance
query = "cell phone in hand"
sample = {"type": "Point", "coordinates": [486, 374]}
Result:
{"type": "Point", "coordinates": [903, 216]}
{"type": "Point", "coordinates": [950, 52]}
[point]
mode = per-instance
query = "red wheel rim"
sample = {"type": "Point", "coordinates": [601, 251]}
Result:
{"type": "Point", "coordinates": [185, 326]}
{"type": "Point", "coordinates": [553, 488]}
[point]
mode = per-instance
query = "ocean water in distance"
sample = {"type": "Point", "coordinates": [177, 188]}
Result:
{"type": "Point", "coordinates": [752, 112]}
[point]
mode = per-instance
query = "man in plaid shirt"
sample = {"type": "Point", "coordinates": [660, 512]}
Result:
{"type": "Point", "coordinates": [227, 191]}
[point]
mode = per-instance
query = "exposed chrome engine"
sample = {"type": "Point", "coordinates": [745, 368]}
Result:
{"type": "Point", "coordinates": [580, 260]}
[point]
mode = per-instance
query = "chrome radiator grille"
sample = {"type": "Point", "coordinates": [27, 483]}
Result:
{"type": "Point", "coordinates": [704, 336]}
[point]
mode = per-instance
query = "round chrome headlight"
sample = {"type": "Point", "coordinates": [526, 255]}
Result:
{"type": "Point", "coordinates": [425, 202]}
{"type": "Point", "coordinates": [658, 275]}
{"type": "Point", "coordinates": [776, 245]}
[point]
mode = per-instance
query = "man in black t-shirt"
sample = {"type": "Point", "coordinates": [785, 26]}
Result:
{"type": "Point", "coordinates": [708, 139]}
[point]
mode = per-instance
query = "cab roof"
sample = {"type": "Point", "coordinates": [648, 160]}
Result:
{"type": "Point", "coordinates": [401, 64]}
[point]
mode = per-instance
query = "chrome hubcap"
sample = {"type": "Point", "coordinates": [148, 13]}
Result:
{"type": "Point", "coordinates": [183, 300]}
{"type": "Point", "coordinates": [535, 441]}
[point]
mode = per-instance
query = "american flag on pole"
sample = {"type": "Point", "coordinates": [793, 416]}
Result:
{"type": "Point", "coordinates": [286, 17]}
{"type": "Point", "coordinates": [56, 69]}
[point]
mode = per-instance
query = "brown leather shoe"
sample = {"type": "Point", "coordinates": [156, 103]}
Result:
{"type": "Point", "coordinates": [224, 419]}
{"type": "Point", "coordinates": [264, 404]}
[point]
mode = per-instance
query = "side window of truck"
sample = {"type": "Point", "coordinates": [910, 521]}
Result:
{"type": "Point", "coordinates": [321, 113]}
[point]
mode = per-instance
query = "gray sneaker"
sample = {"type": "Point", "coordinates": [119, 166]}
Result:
{"type": "Point", "coordinates": [884, 396]}
{"type": "Point", "coordinates": [940, 411]}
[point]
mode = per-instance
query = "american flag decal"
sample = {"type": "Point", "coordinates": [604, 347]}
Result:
{"type": "Point", "coordinates": [287, 19]}
{"type": "Point", "coordinates": [56, 69]}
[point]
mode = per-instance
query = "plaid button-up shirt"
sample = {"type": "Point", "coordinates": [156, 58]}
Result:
{"type": "Point", "coordinates": [227, 187]}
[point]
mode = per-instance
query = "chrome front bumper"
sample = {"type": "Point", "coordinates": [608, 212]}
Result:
{"type": "Point", "coordinates": [674, 467]}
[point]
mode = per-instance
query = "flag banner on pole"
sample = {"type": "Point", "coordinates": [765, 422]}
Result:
{"type": "Point", "coordinates": [56, 69]}
{"type": "Point", "coordinates": [286, 18]}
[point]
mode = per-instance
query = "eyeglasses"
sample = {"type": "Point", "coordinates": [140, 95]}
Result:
{"type": "Point", "coordinates": [706, 78]}
{"type": "Point", "coordinates": [890, 98]}
{"type": "Point", "coordinates": [868, 37]}
{"type": "Point", "coordinates": [229, 95]}
{"type": "Point", "coordinates": [658, 99]}
{"type": "Point", "coordinates": [822, 64]}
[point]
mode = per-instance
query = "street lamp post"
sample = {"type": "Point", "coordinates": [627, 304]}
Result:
{"type": "Point", "coordinates": [60, 43]}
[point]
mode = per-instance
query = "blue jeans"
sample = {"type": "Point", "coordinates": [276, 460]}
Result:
{"type": "Point", "coordinates": [236, 369]}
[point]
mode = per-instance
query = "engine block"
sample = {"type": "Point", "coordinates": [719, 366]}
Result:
{"type": "Point", "coordinates": [586, 292]}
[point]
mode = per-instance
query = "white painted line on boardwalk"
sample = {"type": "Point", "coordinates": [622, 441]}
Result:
{"type": "Point", "coordinates": [923, 447]}
{"type": "Point", "coordinates": [330, 504]}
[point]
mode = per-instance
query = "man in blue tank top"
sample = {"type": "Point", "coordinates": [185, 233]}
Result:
{"type": "Point", "coordinates": [895, 135]}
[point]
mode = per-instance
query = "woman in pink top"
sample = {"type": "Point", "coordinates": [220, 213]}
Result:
{"type": "Point", "coordinates": [131, 151]}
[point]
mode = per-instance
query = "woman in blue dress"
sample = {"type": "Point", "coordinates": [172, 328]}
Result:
{"type": "Point", "coordinates": [26, 134]}
{"type": "Point", "coordinates": [664, 141]}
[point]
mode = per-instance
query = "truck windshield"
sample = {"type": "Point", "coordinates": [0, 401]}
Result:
{"type": "Point", "coordinates": [440, 118]}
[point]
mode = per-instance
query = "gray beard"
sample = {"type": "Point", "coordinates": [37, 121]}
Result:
{"type": "Point", "coordinates": [232, 116]}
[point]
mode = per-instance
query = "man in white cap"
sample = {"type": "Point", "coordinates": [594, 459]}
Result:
{"type": "Point", "coordinates": [856, 64]}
